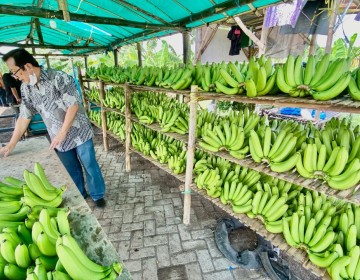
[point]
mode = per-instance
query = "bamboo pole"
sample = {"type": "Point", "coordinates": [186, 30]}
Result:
{"type": "Point", "coordinates": [332, 20]}
{"type": "Point", "coordinates": [103, 116]}
{"type": "Point", "coordinates": [47, 61]}
{"type": "Point", "coordinates": [127, 127]}
{"type": "Point", "coordinates": [86, 104]}
{"type": "Point", "coordinates": [249, 33]}
{"type": "Point", "coordinates": [312, 45]}
{"type": "Point", "coordinates": [116, 62]}
{"type": "Point", "coordinates": [190, 155]}
{"type": "Point", "coordinates": [138, 47]}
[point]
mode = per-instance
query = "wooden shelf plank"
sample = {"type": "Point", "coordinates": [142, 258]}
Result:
{"type": "Point", "coordinates": [343, 104]}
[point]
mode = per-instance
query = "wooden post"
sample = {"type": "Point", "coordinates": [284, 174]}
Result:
{"type": "Point", "coordinates": [116, 62]}
{"type": "Point", "coordinates": [127, 127]}
{"type": "Point", "coordinates": [86, 105]}
{"type": "Point", "coordinates": [47, 61]}
{"type": "Point", "coordinates": [332, 20]}
{"type": "Point", "coordinates": [186, 47]}
{"type": "Point", "coordinates": [86, 62]}
{"type": "Point", "coordinates": [103, 116]}
{"type": "Point", "coordinates": [138, 46]}
{"type": "Point", "coordinates": [312, 49]}
{"type": "Point", "coordinates": [190, 155]}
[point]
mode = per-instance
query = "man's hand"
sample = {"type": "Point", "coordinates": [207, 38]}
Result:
{"type": "Point", "coordinates": [7, 150]}
{"type": "Point", "coordinates": [58, 139]}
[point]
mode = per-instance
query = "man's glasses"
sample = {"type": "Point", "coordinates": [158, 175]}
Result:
{"type": "Point", "coordinates": [14, 74]}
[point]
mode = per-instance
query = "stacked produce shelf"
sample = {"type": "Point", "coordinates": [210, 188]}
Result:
{"type": "Point", "coordinates": [343, 104]}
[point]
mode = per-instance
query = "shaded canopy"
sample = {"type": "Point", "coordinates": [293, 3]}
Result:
{"type": "Point", "coordinates": [98, 25]}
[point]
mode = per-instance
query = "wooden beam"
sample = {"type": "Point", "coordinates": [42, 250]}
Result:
{"type": "Point", "coordinates": [249, 33]}
{"type": "Point", "coordinates": [138, 47]}
{"type": "Point", "coordinates": [45, 13]}
{"type": "Point", "coordinates": [214, 9]}
{"type": "Point", "coordinates": [60, 55]}
{"type": "Point", "coordinates": [55, 47]}
{"type": "Point", "coordinates": [38, 30]}
{"type": "Point", "coordinates": [63, 6]}
{"type": "Point", "coordinates": [254, 10]}
{"type": "Point", "coordinates": [142, 11]}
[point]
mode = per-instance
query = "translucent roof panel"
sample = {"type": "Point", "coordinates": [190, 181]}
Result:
{"type": "Point", "coordinates": [98, 25]}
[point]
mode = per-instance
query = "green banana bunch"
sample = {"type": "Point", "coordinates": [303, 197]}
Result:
{"type": "Point", "coordinates": [210, 180]}
{"type": "Point", "coordinates": [354, 85]}
{"type": "Point", "coordinates": [78, 265]}
{"type": "Point", "coordinates": [177, 163]}
{"type": "Point", "coordinates": [322, 79]}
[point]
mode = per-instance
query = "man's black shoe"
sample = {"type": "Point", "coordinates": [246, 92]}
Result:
{"type": "Point", "coordinates": [101, 203]}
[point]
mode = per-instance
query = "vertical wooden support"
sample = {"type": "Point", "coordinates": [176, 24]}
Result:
{"type": "Point", "coordinates": [138, 47]}
{"type": "Point", "coordinates": [103, 116]}
{"type": "Point", "coordinates": [127, 127]}
{"type": "Point", "coordinates": [86, 62]}
{"type": "Point", "coordinates": [332, 20]}
{"type": "Point", "coordinates": [86, 105]}
{"type": "Point", "coordinates": [116, 62]}
{"type": "Point", "coordinates": [186, 47]}
{"type": "Point", "coordinates": [47, 61]}
{"type": "Point", "coordinates": [264, 35]}
{"type": "Point", "coordinates": [312, 48]}
{"type": "Point", "coordinates": [190, 155]}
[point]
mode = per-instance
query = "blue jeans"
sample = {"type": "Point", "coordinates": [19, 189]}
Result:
{"type": "Point", "coordinates": [84, 156]}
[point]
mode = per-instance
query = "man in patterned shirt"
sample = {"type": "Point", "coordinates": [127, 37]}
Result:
{"type": "Point", "coordinates": [53, 94]}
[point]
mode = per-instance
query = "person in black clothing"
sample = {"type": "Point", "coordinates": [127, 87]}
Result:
{"type": "Point", "coordinates": [234, 36]}
{"type": "Point", "coordinates": [12, 87]}
{"type": "Point", "coordinates": [2, 92]}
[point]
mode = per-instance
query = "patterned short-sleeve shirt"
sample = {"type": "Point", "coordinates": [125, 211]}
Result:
{"type": "Point", "coordinates": [50, 97]}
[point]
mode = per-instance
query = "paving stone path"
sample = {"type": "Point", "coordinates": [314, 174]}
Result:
{"type": "Point", "coordinates": [143, 219]}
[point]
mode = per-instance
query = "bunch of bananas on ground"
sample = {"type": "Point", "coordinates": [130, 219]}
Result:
{"type": "Point", "coordinates": [114, 98]}
{"type": "Point", "coordinates": [39, 191]}
{"type": "Point", "coordinates": [28, 250]}
{"type": "Point", "coordinates": [78, 265]}
{"type": "Point", "coordinates": [321, 78]}
{"type": "Point", "coordinates": [354, 85]}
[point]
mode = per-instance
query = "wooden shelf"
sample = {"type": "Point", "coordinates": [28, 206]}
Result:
{"type": "Point", "coordinates": [293, 177]}
{"type": "Point", "coordinates": [180, 177]}
{"type": "Point", "coordinates": [349, 195]}
{"type": "Point", "coordinates": [155, 126]}
{"type": "Point", "coordinates": [343, 104]}
{"type": "Point", "coordinates": [256, 225]}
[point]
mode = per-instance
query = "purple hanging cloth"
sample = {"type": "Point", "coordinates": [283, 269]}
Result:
{"type": "Point", "coordinates": [357, 18]}
{"type": "Point", "coordinates": [283, 14]}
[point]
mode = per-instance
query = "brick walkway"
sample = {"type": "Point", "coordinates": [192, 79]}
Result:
{"type": "Point", "coordinates": [143, 219]}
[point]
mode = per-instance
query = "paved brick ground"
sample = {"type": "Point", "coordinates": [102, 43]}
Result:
{"type": "Point", "coordinates": [143, 219]}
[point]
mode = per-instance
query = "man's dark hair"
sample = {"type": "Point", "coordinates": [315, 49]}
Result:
{"type": "Point", "coordinates": [21, 57]}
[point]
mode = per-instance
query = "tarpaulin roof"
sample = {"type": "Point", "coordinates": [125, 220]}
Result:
{"type": "Point", "coordinates": [95, 25]}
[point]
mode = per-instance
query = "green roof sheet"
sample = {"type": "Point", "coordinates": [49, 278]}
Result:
{"type": "Point", "coordinates": [98, 25]}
